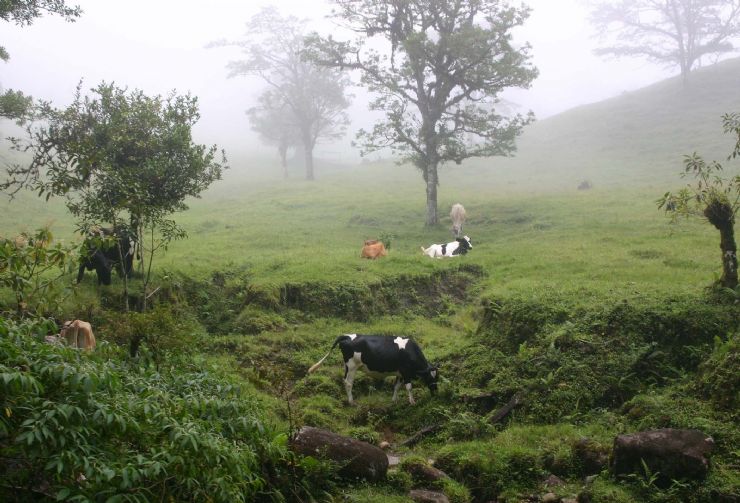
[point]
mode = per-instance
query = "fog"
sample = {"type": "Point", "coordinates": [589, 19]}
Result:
{"type": "Point", "coordinates": [160, 45]}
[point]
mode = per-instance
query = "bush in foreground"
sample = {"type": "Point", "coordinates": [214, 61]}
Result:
{"type": "Point", "coordinates": [78, 427]}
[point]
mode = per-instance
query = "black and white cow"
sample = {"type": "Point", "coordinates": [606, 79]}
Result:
{"type": "Point", "coordinates": [380, 356]}
{"type": "Point", "coordinates": [101, 253]}
{"type": "Point", "coordinates": [460, 246]}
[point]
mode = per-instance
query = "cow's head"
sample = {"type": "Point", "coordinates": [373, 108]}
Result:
{"type": "Point", "coordinates": [430, 376]}
{"type": "Point", "coordinates": [465, 244]}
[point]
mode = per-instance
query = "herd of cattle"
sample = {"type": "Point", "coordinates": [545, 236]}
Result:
{"type": "Point", "coordinates": [373, 248]}
{"type": "Point", "coordinates": [378, 355]}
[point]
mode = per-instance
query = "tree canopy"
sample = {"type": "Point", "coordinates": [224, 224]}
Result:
{"type": "Point", "coordinates": [13, 104]}
{"type": "Point", "coordinates": [274, 121]}
{"type": "Point", "coordinates": [315, 96]}
{"type": "Point", "coordinates": [437, 79]}
{"type": "Point", "coordinates": [118, 157]}
{"type": "Point", "coordinates": [670, 32]}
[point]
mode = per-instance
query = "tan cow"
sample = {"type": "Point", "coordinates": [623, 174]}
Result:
{"type": "Point", "coordinates": [78, 334]}
{"type": "Point", "coordinates": [373, 249]}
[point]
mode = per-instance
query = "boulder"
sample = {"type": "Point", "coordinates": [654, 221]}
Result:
{"type": "Point", "coordinates": [358, 459]}
{"type": "Point", "coordinates": [424, 496]}
{"type": "Point", "coordinates": [550, 498]}
{"type": "Point", "coordinates": [423, 472]}
{"type": "Point", "coordinates": [553, 481]}
{"type": "Point", "coordinates": [590, 456]}
{"type": "Point", "coordinates": [672, 453]}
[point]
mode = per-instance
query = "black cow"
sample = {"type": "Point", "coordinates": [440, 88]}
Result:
{"type": "Point", "coordinates": [101, 254]}
{"type": "Point", "coordinates": [382, 355]}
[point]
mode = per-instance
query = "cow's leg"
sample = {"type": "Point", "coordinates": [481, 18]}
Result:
{"type": "Point", "coordinates": [81, 272]}
{"type": "Point", "coordinates": [350, 368]}
{"type": "Point", "coordinates": [396, 387]}
{"type": "Point", "coordinates": [411, 395]}
{"type": "Point", "coordinates": [407, 378]}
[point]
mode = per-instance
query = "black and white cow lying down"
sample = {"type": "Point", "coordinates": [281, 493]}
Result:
{"type": "Point", "coordinates": [380, 356]}
{"type": "Point", "coordinates": [460, 246]}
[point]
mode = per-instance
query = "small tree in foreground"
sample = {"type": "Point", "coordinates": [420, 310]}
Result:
{"type": "Point", "coordinates": [713, 197]}
{"type": "Point", "coordinates": [119, 158]}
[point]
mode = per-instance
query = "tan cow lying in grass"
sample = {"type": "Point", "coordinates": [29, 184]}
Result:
{"type": "Point", "coordinates": [78, 334]}
{"type": "Point", "coordinates": [373, 249]}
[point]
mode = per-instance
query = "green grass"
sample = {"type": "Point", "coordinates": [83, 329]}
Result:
{"type": "Point", "coordinates": [530, 227]}
{"type": "Point", "coordinates": [607, 257]}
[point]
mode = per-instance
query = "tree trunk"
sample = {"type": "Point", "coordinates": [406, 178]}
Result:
{"type": "Point", "coordinates": [308, 151]}
{"type": "Point", "coordinates": [284, 160]}
{"type": "Point", "coordinates": [729, 256]}
{"type": "Point", "coordinates": [721, 216]}
{"type": "Point", "coordinates": [431, 178]}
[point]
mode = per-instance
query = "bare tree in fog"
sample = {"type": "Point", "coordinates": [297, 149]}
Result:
{"type": "Point", "coordinates": [315, 96]}
{"type": "Point", "coordinates": [439, 81]}
{"type": "Point", "coordinates": [13, 104]}
{"type": "Point", "coordinates": [274, 121]}
{"type": "Point", "coordinates": [671, 32]}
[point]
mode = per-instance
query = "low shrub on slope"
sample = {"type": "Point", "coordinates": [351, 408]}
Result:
{"type": "Point", "coordinates": [80, 427]}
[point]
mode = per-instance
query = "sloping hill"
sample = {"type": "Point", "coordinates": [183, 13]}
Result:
{"type": "Point", "coordinates": [639, 136]}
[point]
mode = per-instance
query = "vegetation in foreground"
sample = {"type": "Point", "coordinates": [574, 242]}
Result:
{"type": "Point", "coordinates": [585, 303]}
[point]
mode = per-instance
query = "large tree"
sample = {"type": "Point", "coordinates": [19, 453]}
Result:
{"type": "Point", "coordinates": [713, 197]}
{"type": "Point", "coordinates": [437, 78]}
{"type": "Point", "coordinates": [670, 32]}
{"type": "Point", "coordinates": [13, 104]}
{"type": "Point", "coordinates": [315, 96]}
{"type": "Point", "coordinates": [119, 158]}
{"type": "Point", "coordinates": [274, 121]}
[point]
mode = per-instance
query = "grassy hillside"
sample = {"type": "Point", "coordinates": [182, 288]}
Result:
{"type": "Point", "coordinates": [527, 220]}
{"type": "Point", "coordinates": [587, 302]}
{"type": "Point", "coordinates": [639, 137]}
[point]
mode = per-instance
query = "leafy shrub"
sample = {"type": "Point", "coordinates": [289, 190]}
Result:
{"type": "Point", "coordinates": [400, 480]}
{"type": "Point", "coordinates": [91, 430]}
{"type": "Point", "coordinates": [32, 268]}
{"type": "Point", "coordinates": [364, 433]}
{"type": "Point", "coordinates": [568, 359]}
{"type": "Point", "coordinates": [164, 332]}
{"type": "Point", "coordinates": [720, 373]}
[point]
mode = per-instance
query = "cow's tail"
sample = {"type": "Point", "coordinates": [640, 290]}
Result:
{"type": "Point", "coordinates": [318, 363]}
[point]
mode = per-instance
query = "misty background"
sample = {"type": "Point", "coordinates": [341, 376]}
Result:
{"type": "Point", "coordinates": [160, 46]}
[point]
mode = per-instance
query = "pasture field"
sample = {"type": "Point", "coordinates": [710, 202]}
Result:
{"type": "Point", "coordinates": [526, 235]}
{"type": "Point", "coordinates": [587, 302]}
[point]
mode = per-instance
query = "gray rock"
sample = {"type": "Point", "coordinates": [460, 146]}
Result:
{"type": "Point", "coordinates": [591, 456]}
{"type": "Point", "coordinates": [553, 481]}
{"type": "Point", "coordinates": [358, 459]}
{"type": "Point", "coordinates": [672, 453]}
{"type": "Point", "coordinates": [424, 496]}
{"type": "Point", "coordinates": [424, 472]}
{"type": "Point", "coordinates": [550, 498]}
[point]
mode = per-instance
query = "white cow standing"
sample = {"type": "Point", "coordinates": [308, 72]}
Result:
{"type": "Point", "coordinates": [457, 215]}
